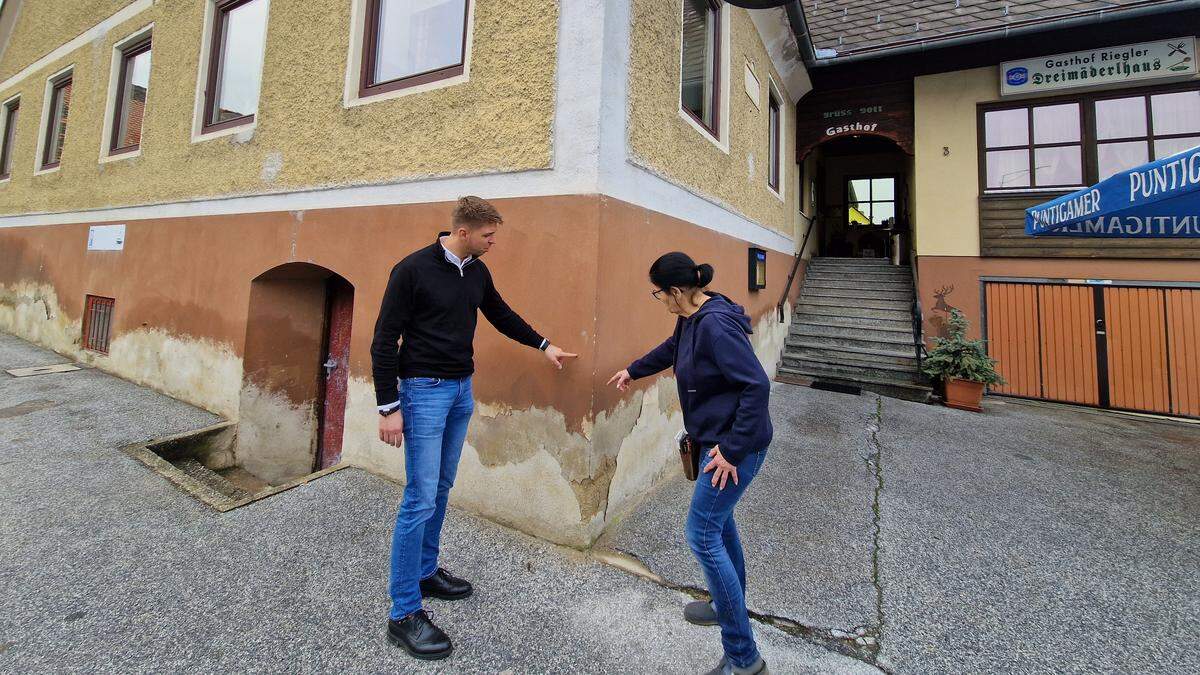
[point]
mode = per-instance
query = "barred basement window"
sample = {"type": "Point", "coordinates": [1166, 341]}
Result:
{"type": "Point", "coordinates": [97, 322]}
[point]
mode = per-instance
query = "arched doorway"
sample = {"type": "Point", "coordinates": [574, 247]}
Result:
{"type": "Point", "coordinates": [295, 371]}
{"type": "Point", "coordinates": [861, 186]}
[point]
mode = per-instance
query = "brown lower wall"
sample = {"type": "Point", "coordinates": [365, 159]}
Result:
{"type": "Point", "coordinates": [946, 282]}
{"type": "Point", "coordinates": [573, 266]}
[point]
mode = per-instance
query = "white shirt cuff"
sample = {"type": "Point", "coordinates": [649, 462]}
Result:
{"type": "Point", "coordinates": [390, 406]}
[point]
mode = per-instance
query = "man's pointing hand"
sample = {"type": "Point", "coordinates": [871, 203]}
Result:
{"type": "Point", "coordinates": [557, 356]}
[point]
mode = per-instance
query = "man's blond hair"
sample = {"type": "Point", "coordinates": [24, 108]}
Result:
{"type": "Point", "coordinates": [475, 212]}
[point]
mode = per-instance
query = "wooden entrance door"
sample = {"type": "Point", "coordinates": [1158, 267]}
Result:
{"type": "Point", "coordinates": [335, 371]}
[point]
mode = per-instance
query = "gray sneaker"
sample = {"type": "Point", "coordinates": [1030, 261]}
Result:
{"type": "Point", "coordinates": [700, 613]}
{"type": "Point", "coordinates": [759, 667]}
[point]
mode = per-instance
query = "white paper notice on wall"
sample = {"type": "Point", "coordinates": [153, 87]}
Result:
{"type": "Point", "coordinates": [752, 87]}
{"type": "Point", "coordinates": [106, 237]}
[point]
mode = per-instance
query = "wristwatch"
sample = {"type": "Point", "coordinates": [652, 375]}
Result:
{"type": "Point", "coordinates": [385, 413]}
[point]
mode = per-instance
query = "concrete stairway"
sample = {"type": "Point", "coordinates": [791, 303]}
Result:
{"type": "Point", "coordinates": [853, 326]}
{"type": "Point", "coordinates": [212, 482]}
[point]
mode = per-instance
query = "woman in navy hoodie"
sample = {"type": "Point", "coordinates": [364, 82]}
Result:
{"type": "Point", "coordinates": [723, 391]}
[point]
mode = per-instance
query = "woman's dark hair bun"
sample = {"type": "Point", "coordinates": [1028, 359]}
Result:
{"type": "Point", "coordinates": [679, 270]}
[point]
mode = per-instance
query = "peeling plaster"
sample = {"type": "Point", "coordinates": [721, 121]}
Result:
{"type": "Point", "coordinates": [272, 165]}
{"type": "Point", "coordinates": [276, 439]}
{"type": "Point", "coordinates": [30, 311]}
{"type": "Point", "coordinates": [523, 469]}
{"type": "Point", "coordinates": [527, 492]}
{"type": "Point", "coordinates": [198, 371]}
{"type": "Point", "coordinates": [648, 453]}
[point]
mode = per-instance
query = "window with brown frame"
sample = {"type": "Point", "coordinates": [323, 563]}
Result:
{"type": "Point", "coordinates": [1133, 130]}
{"type": "Point", "coordinates": [133, 82]}
{"type": "Point", "coordinates": [407, 43]}
{"type": "Point", "coordinates": [773, 117]}
{"type": "Point", "coordinates": [235, 63]}
{"type": "Point", "coordinates": [700, 88]}
{"type": "Point", "coordinates": [1071, 141]}
{"type": "Point", "coordinates": [9, 138]}
{"type": "Point", "coordinates": [1033, 146]}
{"type": "Point", "coordinates": [97, 323]}
{"type": "Point", "coordinates": [56, 123]}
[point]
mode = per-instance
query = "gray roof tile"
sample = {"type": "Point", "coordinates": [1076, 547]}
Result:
{"type": "Point", "coordinates": [860, 26]}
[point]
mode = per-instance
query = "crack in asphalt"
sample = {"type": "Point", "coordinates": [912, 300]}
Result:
{"type": "Point", "coordinates": [827, 638]}
{"type": "Point", "coordinates": [862, 643]}
{"type": "Point", "coordinates": [874, 460]}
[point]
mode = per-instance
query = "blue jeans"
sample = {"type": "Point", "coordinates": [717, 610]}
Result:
{"type": "Point", "coordinates": [713, 537]}
{"type": "Point", "coordinates": [436, 413]}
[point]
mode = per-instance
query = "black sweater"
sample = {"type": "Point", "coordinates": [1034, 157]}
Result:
{"type": "Point", "coordinates": [433, 307]}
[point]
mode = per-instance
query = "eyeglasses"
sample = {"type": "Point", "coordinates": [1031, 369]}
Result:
{"type": "Point", "coordinates": [658, 294]}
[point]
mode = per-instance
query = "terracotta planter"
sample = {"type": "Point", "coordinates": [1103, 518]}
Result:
{"type": "Point", "coordinates": [964, 394]}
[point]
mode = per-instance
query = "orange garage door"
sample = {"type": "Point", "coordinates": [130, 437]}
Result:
{"type": "Point", "coordinates": [1118, 347]}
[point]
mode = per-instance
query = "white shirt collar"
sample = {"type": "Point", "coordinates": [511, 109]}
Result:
{"type": "Point", "coordinates": [460, 263]}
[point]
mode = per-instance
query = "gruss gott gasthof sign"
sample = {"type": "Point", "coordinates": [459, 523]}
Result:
{"type": "Point", "coordinates": [1159, 199]}
{"type": "Point", "coordinates": [1100, 67]}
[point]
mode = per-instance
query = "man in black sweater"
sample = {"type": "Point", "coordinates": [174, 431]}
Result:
{"type": "Point", "coordinates": [431, 302]}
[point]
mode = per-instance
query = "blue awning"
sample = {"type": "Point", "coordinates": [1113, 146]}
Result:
{"type": "Point", "coordinates": [1159, 199]}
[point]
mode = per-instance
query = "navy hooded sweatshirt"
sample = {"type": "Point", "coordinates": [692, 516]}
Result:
{"type": "Point", "coordinates": [722, 387]}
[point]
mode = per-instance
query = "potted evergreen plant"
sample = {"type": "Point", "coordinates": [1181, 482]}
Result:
{"type": "Point", "coordinates": [962, 365]}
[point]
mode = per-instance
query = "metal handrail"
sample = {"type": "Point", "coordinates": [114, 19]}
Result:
{"type": "Point", "coordinates": [918, 321]}
{"type": "Point", "coordinates": [795, 268]}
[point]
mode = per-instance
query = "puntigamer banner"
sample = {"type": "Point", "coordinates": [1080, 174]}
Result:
{"type": "Point", "coordinates": [1100, 67]}
{"type": "Point", "coordinates": [1159, 199]}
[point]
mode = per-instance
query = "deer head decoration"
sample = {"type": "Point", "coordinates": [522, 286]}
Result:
{"type": "Point", "coordinates": [941, 294]}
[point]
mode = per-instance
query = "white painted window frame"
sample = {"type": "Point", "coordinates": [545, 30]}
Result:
{"type": "Point", "coordinates": [358, 20]}
{"type": "Point", "coordinates": [198, 134]}
{"type": "Point", "coordinates": [110, 104]}
{"type": "Point", "coordinates": [12, 161]}
{"type": "Point", "coordinates": [773, 90]}
{"type": "Point", "coordinates": [722, 139]}
{"type": "Point", "coordinates": [45, 120]}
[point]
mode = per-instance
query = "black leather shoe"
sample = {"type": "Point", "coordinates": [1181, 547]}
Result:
{"type": "Point", "coordinates": [445, 587]}
{"type": "Point", "coordinates": [417, 635]}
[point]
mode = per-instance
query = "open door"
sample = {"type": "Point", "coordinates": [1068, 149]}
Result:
{"type": "Point", "coordinates": [292, 409]}
{"type": "Point", "coordinates": [335, 368]}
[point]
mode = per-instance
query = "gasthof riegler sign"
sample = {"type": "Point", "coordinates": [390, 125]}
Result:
{"type": "Point", "coordinates": [1174, 58]}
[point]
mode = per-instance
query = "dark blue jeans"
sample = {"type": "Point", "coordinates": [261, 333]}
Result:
{"type": "Point", "coordinates": [436, 413]}
{"type": "Point", "coordinates": [713, 537]}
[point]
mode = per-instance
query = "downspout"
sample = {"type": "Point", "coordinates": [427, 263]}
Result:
{"type": "Point", "coordinates": [795, 15]}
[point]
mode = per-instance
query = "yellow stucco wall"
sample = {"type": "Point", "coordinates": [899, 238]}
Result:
{"type": "Point", "coordinates": [665, 143]}
{"type": "Point", "coordinates": [43, 25]}
{"type": "Point", "coordinates": [947, 185]}
{"type": "Point", "coordinates": [500, 120]}
{"type": "Point", "coordinates": [946, 197]}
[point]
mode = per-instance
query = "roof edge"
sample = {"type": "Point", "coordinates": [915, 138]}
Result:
{"type": "Point", "coordinates": [1028, 27]}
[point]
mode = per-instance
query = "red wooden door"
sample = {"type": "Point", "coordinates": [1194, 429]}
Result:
{"type": "Point", "coordinates": [335, 371]}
